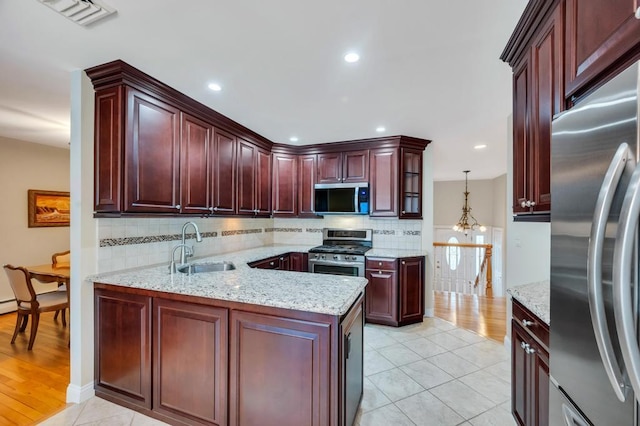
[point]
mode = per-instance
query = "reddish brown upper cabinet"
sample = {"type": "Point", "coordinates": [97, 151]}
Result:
{"type": "Point", "coordinates": [152, 152]}
{"type": "Point", "coordinates": [223, 173]}
{"type": "Point", "coordinates": [529, 368]}
{"type": "Point", "coordinates": [308, 166]}
{"type": "Point", "coordinates": [538, 94]}
{"type": "Point", "coordinates": [108, 149]}
{"type": "Point", "coordinates": [348, 166]}
{"type": "Point", "coordinates": [396, 182]}
{"type": "Point", "coordinates": [602, 38]}
{"type": "Point", "coordinates": [395, 293]}
{"type": "Point", "coordinates": [285, 185]}
{"type": "Point", "coordinates": [195, 165]}
{"type": "Point", "coordinates": [383, 190]}
{"type": "Point", "coordinates": [559, 51]}
{"type": "Point", "coordinates": [254, 180]}
{"type": "Point", "coordinates": [410, 183]}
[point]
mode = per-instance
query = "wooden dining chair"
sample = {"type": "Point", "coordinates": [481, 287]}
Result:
{"type": "Point", "coordinates": [56, 258]}
{"type": "Point", "coordinates": [30, 303]}
{"type": "Point", "coordinates": [62, 257]}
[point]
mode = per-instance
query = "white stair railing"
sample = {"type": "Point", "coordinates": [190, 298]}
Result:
{"type": "Point", "coordinates": [463, 268]}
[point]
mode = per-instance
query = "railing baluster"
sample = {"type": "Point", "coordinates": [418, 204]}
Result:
{"type": "Point", "coordinates": [462, 279]}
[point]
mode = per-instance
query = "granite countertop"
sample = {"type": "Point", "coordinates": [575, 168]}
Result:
{"type": "Point", "coordinates": [394, 253]}
{"type": "Point", "coordinates": [536, 297]}
{"type": "Point", "coordinates": [320, 293]}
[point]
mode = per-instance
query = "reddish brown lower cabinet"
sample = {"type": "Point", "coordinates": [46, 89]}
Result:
{"type": "Point", "coordinates": [529, 368]}
{"type": "Point", "coordinates": [123, 348]}
{"type": "Point", "coordinates": [189, 339]}
{"type": "Point", "coordinates": [289, 358]}
{"type": "Point", "coordinates": [299, 262]}
{"type": "Point", "coordinates": [395, 293]}
{"type": "Point", "coordinates": [195, 361]}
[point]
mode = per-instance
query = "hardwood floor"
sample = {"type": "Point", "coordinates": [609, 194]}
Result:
{"type": "Point", "coordinates": [33, 384]}
{"type": "Point", "coordinates": [486, 316]}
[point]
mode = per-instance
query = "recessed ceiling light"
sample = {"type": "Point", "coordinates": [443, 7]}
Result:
{"type": "Point", "coordinates": [215, 87]}
{"type": "Point", "coordinates": [481, 146]}
{"type": "Point", "coordinates": [380, 129]}
{"type": "Point", "coordinates": [293, 139]}
{"type": "Point", "coordinates": [352, 57]}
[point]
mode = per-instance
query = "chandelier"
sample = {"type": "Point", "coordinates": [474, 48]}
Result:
{"type": "Point", "coordinates": [463, 224]}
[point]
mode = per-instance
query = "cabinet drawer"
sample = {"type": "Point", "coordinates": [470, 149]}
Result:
{"type": "Point", "coordinates": [530, 322]}
{"type": "Point", "coordinates": [381, 264]}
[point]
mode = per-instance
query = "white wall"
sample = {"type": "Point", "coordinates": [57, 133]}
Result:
{"type": "Point", "coordinates": [25, 166]}
{"type": "Point", "coordinates": [484, 202]}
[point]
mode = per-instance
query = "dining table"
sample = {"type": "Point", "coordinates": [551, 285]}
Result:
{"type": "Point", "coordinates": [48, 273]}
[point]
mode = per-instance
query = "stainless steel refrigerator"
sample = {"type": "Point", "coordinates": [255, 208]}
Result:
{"type": "Point", "coordinates": [595, 198]}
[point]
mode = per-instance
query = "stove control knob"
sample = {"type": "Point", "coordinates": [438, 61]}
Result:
{"type": "Point", "coordinates": [335, 257]}
{"type": "Point", "coordinates": [354, 258]}
{"type": "Point", "coordinates": [322, 257]}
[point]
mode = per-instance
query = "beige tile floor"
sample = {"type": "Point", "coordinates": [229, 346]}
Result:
{"type": "Point", "coordinates": [420, 375]}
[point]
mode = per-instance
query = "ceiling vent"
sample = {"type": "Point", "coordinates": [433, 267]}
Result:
{"type": "Point", "coordinates": [82, 12]}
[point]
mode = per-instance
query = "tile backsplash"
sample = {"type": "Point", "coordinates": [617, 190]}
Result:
{"type": "Point", "coordinates": [134, 242]}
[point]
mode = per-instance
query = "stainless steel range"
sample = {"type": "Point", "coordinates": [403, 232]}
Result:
{"type": "Point", "coordinates": [341, 253]}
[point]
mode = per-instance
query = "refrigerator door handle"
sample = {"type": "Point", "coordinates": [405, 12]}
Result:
{"type": "Point", "coordinates": [621, 158]}
{"type": "Point", "coordinates": [623, 264]}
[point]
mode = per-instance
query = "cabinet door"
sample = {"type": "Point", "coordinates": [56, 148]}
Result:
{"type": "Point", "coordinates": [351, 371]}
{"type": "Point", "coordinates": [269, 263]}
{"type": "Point", "coordinates": [224, 173]}
{"type": "Point", "coordinates": [540, 369]}
{"type": "Point", "coordinates": [411, 290]}
{"type": "Point", "coordinates": [123, 347]}
{"type": "Point", "coordinates": [330, 167]}
{"type": "Point", "coordinates": [152, 152]}
{"type": "Point", "coordinates": [520, 376]}
{"type": "Point", "coordinates": [383, 190]}
{"type": "Point", "coordinates": [306, 180]}
{"type": "Point", "coordinates": [108, 149]}
{"type": "Point", "coordinates": [247, 154]}
{"type": "Point", "coordinates": [411, 184]}
{"type": "Point", "coordinates": [355, 166]}
{"type": "Point", "coordinates": [290, 358]}
{"type": "Point", "coordinates": [521, 136]}
{"type": "Point", "coordinates": [599, 35]}
{"type": "Point", "coordinates": [285, 185]}
{"type": "Point", "coordinates": [547, 85]}
{"type": "Point", "coordinates": [195, 165]}
{"type": "Point", "coordinates": [299, 262]}
{"type": "Point", "coordinates": [263, 183]}
{"type": "Point", "coordinates": [381, 297]}
{"type": "Point", "coordinates": [190, 361]}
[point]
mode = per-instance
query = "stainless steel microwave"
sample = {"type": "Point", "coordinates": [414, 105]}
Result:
{"type": "Point", "coordinates": [341, 198]}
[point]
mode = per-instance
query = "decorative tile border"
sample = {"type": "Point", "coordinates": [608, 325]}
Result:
{"type": "Point", "coordinates": [241, 232]}
{"type": "Point", "coordinates": [414, 233]}
{"type": "Point", "coordinates": [286, 229]}
{"type": "Point", "coordinates": [127, 241]}
{"type": "Point", "coordinates": [384, 232]}
{"type": "Point", "coordinates": [314, 230]}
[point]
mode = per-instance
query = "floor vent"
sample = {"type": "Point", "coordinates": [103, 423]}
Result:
{"type": "Point", "coordinates": [82, 12]}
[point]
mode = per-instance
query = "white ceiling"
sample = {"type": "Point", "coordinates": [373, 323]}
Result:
{"type": "Point", "coordinates": [428, 68]}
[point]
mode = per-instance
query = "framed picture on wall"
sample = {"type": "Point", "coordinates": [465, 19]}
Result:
{"type": "Point", "coordinates": [48, 208]}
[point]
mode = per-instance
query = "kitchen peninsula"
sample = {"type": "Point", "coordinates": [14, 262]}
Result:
{"type": "Point", "coordinates": [243, 346]}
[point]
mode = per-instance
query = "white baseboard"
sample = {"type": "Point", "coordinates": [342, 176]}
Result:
{"type": "Point", "coordinates": [8, 306]}
{"type": "Point", "coordinates": [429, 312]}
{"type": "Point", "coordinates": [78, 394]}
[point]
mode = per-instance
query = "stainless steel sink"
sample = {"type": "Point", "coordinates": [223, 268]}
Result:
{"type": "Point", "coordinates": [195, 268]}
